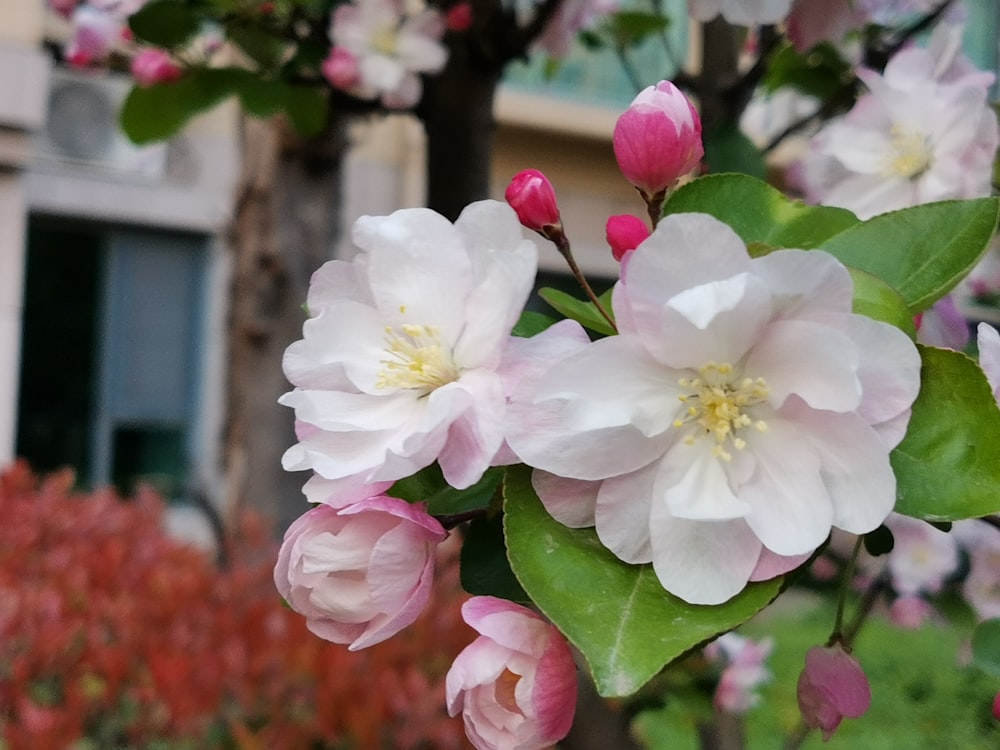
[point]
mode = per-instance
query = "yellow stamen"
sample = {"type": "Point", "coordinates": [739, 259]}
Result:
{"type": "Point", "coordinates": [911, 154]}
{"type": "Point", "coordinates": [417, 359]}
{"type": "Point", "coordinates": [716, 407]}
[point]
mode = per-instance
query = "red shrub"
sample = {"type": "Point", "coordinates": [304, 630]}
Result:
{"type": "Point", "coordinates": [111, 631]}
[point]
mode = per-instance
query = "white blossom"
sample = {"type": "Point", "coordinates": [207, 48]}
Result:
{"type": "Point", "coordinates": [924, 132]}
{"type": "Point", "coordinates": [742, 411]}
{"type": "Point", "coordinates": [398, 363]}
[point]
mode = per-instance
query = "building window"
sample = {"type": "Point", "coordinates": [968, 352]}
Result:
{"type": "Point", "coordinates": [111, 354]}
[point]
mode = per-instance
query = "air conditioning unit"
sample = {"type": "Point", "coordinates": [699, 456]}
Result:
{"type": "Point", "coordinates": [82, 129]}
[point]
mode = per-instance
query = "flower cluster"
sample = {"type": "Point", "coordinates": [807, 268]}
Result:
{"type": "Point", "coordinates": [380, 48]}
{"type": "Point", "coordinates": [739, 412]}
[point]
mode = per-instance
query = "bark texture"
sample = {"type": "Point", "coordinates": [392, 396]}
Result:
{"type": "Point", "coordinates": [284, 226]}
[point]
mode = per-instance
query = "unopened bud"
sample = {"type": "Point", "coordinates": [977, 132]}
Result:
{"type": "Point", "coordinates": [625, 232]}
{"type": "Point", "coordinates": [533, 199]}
{"type": "Point", "coordinates": [832, 685]}
{"type": "Point", "coordinates": [154, 66]}
{"type": "Point", "coordinates": [658, 138]}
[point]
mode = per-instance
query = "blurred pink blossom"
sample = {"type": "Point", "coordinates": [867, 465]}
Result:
{"type": "Point", "coordinates": [362, 573]}
{"type": "Point", "coordinates": [155, 66]}
{"type": "Point", "coordinates": [743, 671]}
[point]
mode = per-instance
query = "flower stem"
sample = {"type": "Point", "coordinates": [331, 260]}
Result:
{"type": "Point", "coordinates": [837, 635]}
{"type": "Point", "coordinates": [561, 241]}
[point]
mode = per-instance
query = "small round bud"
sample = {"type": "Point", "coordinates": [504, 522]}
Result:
{"type": "Point", "coordinates": [625, 232]}
{"type": "Point", "coordinates": [832, 685]}
{"type": "Point", "coordinates": [533, 199]}
{"type": "Point", "coordinates": [155, 66]}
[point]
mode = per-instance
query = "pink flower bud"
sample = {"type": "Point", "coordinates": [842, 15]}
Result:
{"type": "Point", "coordinates": [361, 573]}
{"type": "Point", "coordinates": [515, 685]}
{"type": "Point", "coordinates": [624, 233]}
{"type": "Point", "coordinates": [458, 17]}
{"type": "Point", "coordinates": [658, 138]}
{"type": "Point", "coordinates": [341, 69]}
{"type": "Point", "coordinates": [832, 685]}
{"type": "Point", "coordinates": [996, 707]}
{"type": "Point", "coordinates": [533, 199]}
{"type": "Point", "coordinates": [155, 66]}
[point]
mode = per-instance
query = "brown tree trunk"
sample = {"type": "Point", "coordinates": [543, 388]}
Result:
{"type": "Point", "coordinates": [284, 226]}
{"type": "Point", "coordinates": [457, 112]}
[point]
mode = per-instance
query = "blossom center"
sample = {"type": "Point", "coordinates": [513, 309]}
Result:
{"type": "Point", "coordinates": [911, 153]}
{"type": "Point", "coordinates": [416, 358]}
{"type": "Point", "coordinates": [717, 401]}
{"type": "Point", "coordinates": [505, 691]}
{"type": "Point", "coordinates": [385, 41]}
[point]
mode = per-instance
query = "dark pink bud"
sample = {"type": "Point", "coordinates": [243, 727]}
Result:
{"type": "Point", "coordinates": [658, 138]}
{"type": "Point", "coordinates": [533, 199]}
{"type": "Point", "coordinates": [458, 17]}
{"type": "Point", "coordinates": [996, 707]}
{"type": "Point", "coordinates": [832, 685]}
{"type": "Point", "coordinates": [154, 66]}
{"type": "Point", "coordinates": [624, 233]}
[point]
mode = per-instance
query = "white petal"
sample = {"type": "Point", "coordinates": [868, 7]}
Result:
{"type": "Point", "coordinates": [816, 362]}
{"type": "Point", "coordinates": [702, 562]}
{"type": "Point", "coordinates": [693, 484]}
{"type": "Point", "coordinates": [622, 514]}
{"type": "Point", "coordinates": [571, 502]}
{"type": "Point", "coordinates": [855, 468]}
{"type": "Point", "coordinates": [791, 507]}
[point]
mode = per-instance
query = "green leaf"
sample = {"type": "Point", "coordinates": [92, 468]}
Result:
{"type": "Point", "coordinates": [483, 565]}
{"type": "Point", "coordinates": [157, 112]}
{"type": "Point", "coordinates": [579, 310]}
{"type": "Point", "coordinates": [876, 299]}
{"type": "Point", "coordinates": [165, 23]}
{"type": "Point", "coordinates": [922, 252]}
{"type": "Point", "coordinates": [619, 616]}
{"type": "Point", "coordinates": [531, 323]}
{"type": "Point", "coordinates": [261, 46]}
{"type": "Point", "coordinates": [307, 109]}
{"type": "Point", "coordinates": [727, 149]}
{"type": "Point", "coordinates": [261, 97]}
{"type": "Point", "coordinates": [428, 485]}
{"type": "Point", "coordinates": [948, 465]}
{"type": "Point", "coordinates": [629, 28]}
{"type": "Point", "coordinates": [986, 646]}
{"type": "Point", "coordinates": [758, 212]}
{"type": "Point", "coordinates": [821, 72]}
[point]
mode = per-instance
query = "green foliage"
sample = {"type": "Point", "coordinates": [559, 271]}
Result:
{"type": "Point", "coordinates": [876, 299]}
{"type": "Point", "coordinates": [531, 323]}
{"type": "Point", "coordinates": [157, 112]}
{"type": "Point", "coordinates": [428, 485]}
{"type": "Point", "coordinates": [923, 251]}
{"type": "Point", "coordinates": [619, 616]}
{"type": "Point", "coordinates": [165, 23]}
{"type": "Point", "coordinates": [584, 313]}
{"type": "Point", "coordinates": [920, 699]}
{"type": "Point", "coordinates": [727, 149]}
{"type": "Point", "coordinates": [946, 467]}
{"type": "Point", "coordinates": [484, 567]}
{"type": "Point", "coordinates": [758, 212]}
{"type": "Point", "coordinates": [986, 646]}
{"type": "Point", "coordinates": [821, 72]}
{"type": "Point", "coordinates": [154, 113]}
